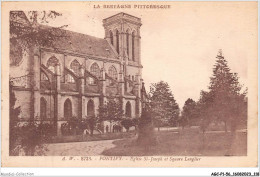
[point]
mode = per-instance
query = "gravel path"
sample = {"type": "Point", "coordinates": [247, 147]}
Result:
{"type": "Point", "coordinates": [79, 148]}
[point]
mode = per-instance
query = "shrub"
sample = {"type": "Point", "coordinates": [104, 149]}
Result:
{"type": "Point", "coordinates": [146, 136]}
{"type": "Point", "coordinates": [31, 138]}
{"type": "Point", "coordinates": [75, 126]}
{"type": "Point", "coordinates": [127, 123]}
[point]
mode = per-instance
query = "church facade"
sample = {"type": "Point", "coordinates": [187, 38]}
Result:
{"type": "Point", "coordinates": [77, 73]}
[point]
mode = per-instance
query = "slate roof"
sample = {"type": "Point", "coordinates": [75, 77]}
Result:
{"type": "Point", "coordinates": [81, 43]}
{"type": "Point", "coordinates": [69, 40]}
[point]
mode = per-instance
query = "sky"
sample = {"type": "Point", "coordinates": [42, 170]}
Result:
{"type": "Point", "coordinates": [179, 45]}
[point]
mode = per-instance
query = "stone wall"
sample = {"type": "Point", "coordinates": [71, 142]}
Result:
{"type": "Point", "coordinates": [23, 99]}
{"type": "Point", "coordinates": [74, 101]}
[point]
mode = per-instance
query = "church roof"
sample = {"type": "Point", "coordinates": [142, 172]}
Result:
{"type": "Point", "coordinates": [68, 40]}
{"type": "Point", "coordinates": [81, 43]}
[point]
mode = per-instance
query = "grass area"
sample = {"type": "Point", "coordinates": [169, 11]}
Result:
{"type": "Point", "coordinates": [185, 143]}
{"type": "Point", "coordinates": [98, 137]}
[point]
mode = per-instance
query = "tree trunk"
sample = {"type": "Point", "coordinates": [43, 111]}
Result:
{"type": "Point", "coordinates": [91, 131]}
{"type": "Point", "coordinates": [233, 125]}
{"type": "Point", "coordinates": [203, 142]}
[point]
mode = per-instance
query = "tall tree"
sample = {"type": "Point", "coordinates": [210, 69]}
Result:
{"type": "Point", "coordinates": [163, 105]}
{"type": "Point", "coordinates": [228, 102]}
{"type": "Point", "coordinates": [204, 109]}
{"type": "Point", "coordinates": [188, 112]}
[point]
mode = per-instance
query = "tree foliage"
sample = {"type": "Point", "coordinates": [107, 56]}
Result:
{"type": "Point", "coordinates": [13, 121]}
{"type": "Point", "coordinates": [204, 109]}
{"type": "Point", "coordinates": [224, 101]}
{"type": "Point", "coordinates": [127, 123]}
{"type": "Point", "coordinates": [188, 113]}
{"type": "Point", "coordinates": [111, 110]}
{"type": "Point", "coordinates": [146, 136]}
{"type": "Point", "coordinates": [163, 105]}
{"type": "Point", "coordinates": [28, 137]}
{"type": "Point", "coordinates": [91, 121]}
{"type": "Point", "coordinates": [76, 126]}
{"type": "Point", "coordinates": [26, 31]}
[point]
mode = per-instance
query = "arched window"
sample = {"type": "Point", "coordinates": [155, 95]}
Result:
{"type": "Point", "coordinates": [127, 42]}
{"type": "Point", "coordinates": [128, 109]}
{"type": "Point", "coordinates": [94, 69]}
{"type": "Point", "coordinates": [75, 67]}
{"type": "Point", "coordinates": [117, 41]}
{"type": "Point", "coordinates": [43, 108]}
{"type": "Point", "coordinates": [133, 46]}
{"type": "Point", "coordinates": [112, 72]}
{"type": "Point", "coordinates": [92, 81]}
{"type": "Point", "coordinates": [67, 109]}
{"type": "Point", "coordinates": [69, 78]}
{"type": "Point", "coordinates": [111, 37]}
{"type": "Point", "coordinates": [90, 108]}
{"type": "Point", "coordinates": [44, 77]}
{"type": "Point", "coordinates": [51, 63]}
{"type": "Point", "coordinates": [110, 82]}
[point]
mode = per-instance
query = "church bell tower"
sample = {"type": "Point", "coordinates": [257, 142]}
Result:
{"type": "Point", "coordinates": [123, 32]}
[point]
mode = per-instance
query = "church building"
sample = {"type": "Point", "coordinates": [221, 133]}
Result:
{"type": "Point", "coordinates": [77, 73]}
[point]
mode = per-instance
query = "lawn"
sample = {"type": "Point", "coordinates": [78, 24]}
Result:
{"type": "Point", "coordinates": [185, 143]}
{"type": "Point", "coordinates": [97, 137]}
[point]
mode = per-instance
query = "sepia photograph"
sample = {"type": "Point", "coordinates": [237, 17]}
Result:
{"type": "Point", "coordinates": [127, 82]}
